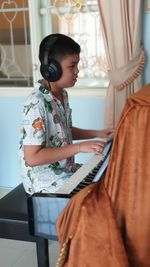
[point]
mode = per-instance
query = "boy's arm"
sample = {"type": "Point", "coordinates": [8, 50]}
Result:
{"type": "Point", "coordinates": [38, 155]}
{"type": "Point", "coordinates": [79, 134]}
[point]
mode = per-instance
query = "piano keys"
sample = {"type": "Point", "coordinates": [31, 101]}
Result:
{"type": "Point", "coordinates": [90, 172]}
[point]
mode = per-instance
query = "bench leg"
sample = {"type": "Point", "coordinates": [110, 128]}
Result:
{"type": "Point", "coordinates": [42, 252]}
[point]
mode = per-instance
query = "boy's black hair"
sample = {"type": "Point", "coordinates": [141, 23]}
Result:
{"type": "Point", "coordinates": [57, 46]}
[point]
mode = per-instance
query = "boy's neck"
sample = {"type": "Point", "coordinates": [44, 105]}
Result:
{"type": "Point", "coordinates": [57, 92]}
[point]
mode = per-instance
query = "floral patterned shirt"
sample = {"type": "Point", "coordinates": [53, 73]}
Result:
{"type": "Point", "coordinates": [45, 121]}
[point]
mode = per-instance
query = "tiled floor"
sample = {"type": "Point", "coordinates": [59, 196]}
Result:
{"type": "Point", "coordinates": [22, 254]}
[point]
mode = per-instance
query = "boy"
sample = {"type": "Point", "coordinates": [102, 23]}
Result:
{"type": "Point", "coordinates": [46, 149]}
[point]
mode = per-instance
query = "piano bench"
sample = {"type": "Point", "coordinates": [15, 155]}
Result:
{"type": "Point", "coordinates": [14, 223]}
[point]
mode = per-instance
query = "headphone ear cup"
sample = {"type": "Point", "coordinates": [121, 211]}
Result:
{"type": "Point", "coordinates": [52, 71]}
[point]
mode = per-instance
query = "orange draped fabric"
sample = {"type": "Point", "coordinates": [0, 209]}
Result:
{"type": "Point", "coordinates": [107, 224]}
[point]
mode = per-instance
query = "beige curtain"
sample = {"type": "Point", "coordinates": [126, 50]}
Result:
{"type": "Point", "coordinates": [121, 27]}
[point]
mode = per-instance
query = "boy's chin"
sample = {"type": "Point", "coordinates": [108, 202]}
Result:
{"type": "Point", "coordinates": [70, 85]}
{"type": "Point", "coordinates": [74, 82]}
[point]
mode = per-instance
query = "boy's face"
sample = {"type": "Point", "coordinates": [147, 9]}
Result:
{"type": "Point", "coordinates": [70, 71]}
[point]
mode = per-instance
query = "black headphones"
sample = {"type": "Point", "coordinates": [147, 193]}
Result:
{"type": "Point", "coordinates": [50, 68]}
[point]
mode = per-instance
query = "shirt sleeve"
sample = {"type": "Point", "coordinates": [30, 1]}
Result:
{"type": "Point", "coordinates": [33, 124]}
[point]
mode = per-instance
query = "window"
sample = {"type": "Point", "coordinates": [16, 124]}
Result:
{"type": "Point", "coordinates": [15, 49]}
{"type": "Point", "coordinates": [147, 5]}
{"type": "Point", "coordinates": [24, 24]}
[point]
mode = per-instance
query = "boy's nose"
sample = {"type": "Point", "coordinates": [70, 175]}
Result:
{"type": "Point", "coordinates": [76, 71]}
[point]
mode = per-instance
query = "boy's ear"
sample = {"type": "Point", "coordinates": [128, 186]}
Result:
{"type": "Point", "coordinates": [51, 71]}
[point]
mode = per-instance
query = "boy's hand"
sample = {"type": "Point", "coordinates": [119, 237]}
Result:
{"type": "Point", "coordinates": [106, 133]}
{"type": "Point", "coordinates": [95, 147]}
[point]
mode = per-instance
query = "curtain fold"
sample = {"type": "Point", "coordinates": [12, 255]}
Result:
{"type": "Point", "coordinates": [121, 27]}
